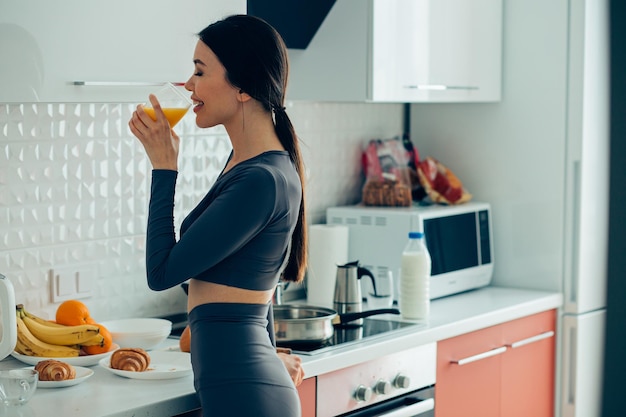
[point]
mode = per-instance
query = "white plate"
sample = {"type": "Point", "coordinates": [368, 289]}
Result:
{"type": "Point", "coordinates": [163, 365]}
{"type": "Point", "coordinates": [81, 375]}
{"type": "Point", "coordinates": [88, 360]}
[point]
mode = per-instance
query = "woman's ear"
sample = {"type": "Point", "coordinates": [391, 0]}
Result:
{"type": "Point", "coordinates": [243, 97]}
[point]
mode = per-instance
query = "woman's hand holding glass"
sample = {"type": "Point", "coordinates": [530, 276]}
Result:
{"type": "Point", "coordinates": [174, 104]}
{"type": "Point", "coordinates": [150, 124]}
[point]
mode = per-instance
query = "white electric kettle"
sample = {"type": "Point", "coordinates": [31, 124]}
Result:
{"type": "Point", "coordinates": [8, 335]}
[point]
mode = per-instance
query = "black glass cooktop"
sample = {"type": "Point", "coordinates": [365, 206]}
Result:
{"type": "Point", "coordinates": [346, 335]}
{"type": "Point", "coordinates": [342, 335]}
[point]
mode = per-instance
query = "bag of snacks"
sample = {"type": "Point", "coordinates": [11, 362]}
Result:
{"type": "Point", "coordinates": [440, 183]}
{"type": "Point", "coordinates": [389, 177]}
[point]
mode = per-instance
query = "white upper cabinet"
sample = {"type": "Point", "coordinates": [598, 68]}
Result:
{"type": "Point", "coordinates": [402, 51]}
{"type": "Point", "coordinates": [48, 48]}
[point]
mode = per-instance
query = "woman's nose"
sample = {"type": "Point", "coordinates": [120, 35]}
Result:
{"type": "Point", "coordinates": [189, 85]}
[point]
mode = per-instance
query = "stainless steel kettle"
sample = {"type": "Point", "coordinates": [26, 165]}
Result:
{"type": "Point", "coordinates": [348, 298]}
{"type": "Point", "coordinates": [8, 333]}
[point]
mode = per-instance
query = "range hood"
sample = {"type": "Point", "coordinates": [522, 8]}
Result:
{"type": "Point", "coordinates": [297, 21]}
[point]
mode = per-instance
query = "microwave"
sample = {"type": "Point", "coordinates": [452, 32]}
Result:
{"type": "Point", "coordinates": [459, 239]}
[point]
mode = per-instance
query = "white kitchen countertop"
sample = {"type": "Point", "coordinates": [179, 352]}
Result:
{"type": "Point", "coordinates": [449, 316]}
{"type": "Point", "coordinates": [106, 394]}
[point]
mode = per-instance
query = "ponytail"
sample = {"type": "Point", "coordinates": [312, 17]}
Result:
{"type": "Point", "coordinates": [296, 266]}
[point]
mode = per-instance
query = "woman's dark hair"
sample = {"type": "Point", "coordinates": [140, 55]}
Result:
{"type": "Point", "coordinates": [255, 58]}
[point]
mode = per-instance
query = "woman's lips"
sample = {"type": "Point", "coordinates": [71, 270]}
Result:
{"type": "Point", "coordinates": [197, 105]}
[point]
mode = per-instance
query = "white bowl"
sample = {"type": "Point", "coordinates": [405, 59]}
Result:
{"type": "Point", "coordinates": [142, 333]}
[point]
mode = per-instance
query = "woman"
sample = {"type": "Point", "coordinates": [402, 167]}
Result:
{"type": "Point", "coordinates": [249, 229]}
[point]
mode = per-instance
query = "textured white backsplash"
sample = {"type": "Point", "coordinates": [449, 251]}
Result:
{"type": "Point", "coordinates": [74, 186]}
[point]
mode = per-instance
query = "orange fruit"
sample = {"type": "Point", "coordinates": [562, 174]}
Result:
{"type": "Point", "coordinates": [185, 340]}
{"type": "Point", "coordinates": [97, 349]}
{"type": "Point", "coordinates": [73, 313]}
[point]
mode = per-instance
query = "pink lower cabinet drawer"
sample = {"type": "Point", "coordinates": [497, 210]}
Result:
{"type": "Point", "coordinates": [505, 370]}
{"type": "Point", "coordinates": [307, 394]}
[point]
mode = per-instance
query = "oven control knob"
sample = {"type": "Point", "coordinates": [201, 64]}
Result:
{"type": "Point", "coordinates": [402, 381]}
{"type": "Point", "coordinates": [363, 393]}
{"type": "Point", "coordinates": [382, 387]}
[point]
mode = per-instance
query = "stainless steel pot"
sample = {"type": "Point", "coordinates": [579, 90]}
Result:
{"type": "Point", "coordinates": [302, 324]}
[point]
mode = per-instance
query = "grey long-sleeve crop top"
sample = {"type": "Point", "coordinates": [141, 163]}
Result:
{"type": "Point", "coordinates": [237, 235]}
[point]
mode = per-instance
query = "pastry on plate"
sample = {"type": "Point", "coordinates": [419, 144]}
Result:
{"type": "Point", "coordinates": [55, 370]}
{"type": "Point", "coordinates": [130, 359]}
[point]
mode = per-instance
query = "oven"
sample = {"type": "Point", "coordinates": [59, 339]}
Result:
{"type": "Point", "coordinates": [400, 384]}
{"type": "Point", "coordinates": [420, 403]}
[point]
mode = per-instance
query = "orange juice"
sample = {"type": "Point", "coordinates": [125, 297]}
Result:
{"type": "Point", "coordinates": [173, 115]}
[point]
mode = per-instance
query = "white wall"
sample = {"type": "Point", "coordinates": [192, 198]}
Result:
{"type": "Point", "coordinates": [74, 187]}
{"type": "Point", "coordinates": [512, 153]}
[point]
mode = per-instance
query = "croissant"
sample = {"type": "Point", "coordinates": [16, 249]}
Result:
{"type": "Point", "coordinates": [130, 359]}
{"type": "Point", "coordinates": [54, 370]}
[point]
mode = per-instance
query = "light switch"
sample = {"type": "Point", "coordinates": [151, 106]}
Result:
{"type": "Point", "coordinates": [62, 284]}
{"type": "Point", "coordinates": [85, 281]}
{"type": "Point", "coordinates": [65, 284]}
{"type": "Point", "coordinates": [72, 282]}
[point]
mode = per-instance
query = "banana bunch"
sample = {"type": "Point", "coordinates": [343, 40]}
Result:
{"type": "Point", "coordinates": [39, 337]}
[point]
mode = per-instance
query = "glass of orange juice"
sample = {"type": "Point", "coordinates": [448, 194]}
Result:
{"type": "Point", "coordinates": [174, 103]}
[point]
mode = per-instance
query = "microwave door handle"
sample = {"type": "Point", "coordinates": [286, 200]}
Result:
{"type": "Point", "coordinates": [412, 410]}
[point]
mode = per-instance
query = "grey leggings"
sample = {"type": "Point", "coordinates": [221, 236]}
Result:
{"type": "Point", "coordinates": [236, 369]}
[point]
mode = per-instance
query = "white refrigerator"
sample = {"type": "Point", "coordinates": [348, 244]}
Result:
{"type": "Point", "coordinates": [540, 156]}
{"type": "Point", "coordinates": [586, 211]}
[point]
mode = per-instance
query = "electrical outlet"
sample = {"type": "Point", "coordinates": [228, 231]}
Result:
{"type": "Point", "coordinates": [67, 283]}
